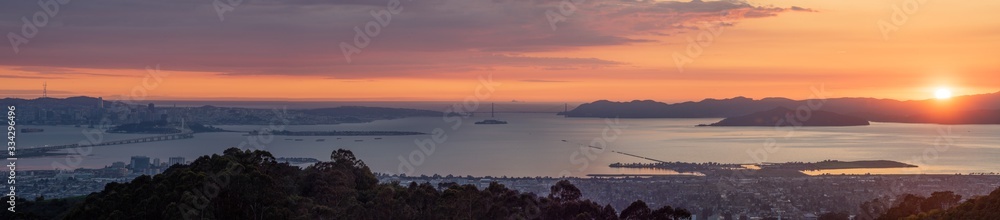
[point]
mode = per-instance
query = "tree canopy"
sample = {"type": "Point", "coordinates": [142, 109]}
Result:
{"type": "Point", "coordinates": [243, 184]}
{"type": "Point", "coordinates": [944, 205]}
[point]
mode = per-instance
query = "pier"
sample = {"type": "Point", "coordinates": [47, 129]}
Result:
{"type": "Point", "coordinates": [617, 152]}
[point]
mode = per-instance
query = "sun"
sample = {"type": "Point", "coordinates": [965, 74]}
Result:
{"type": "Point", "coordinates": [942, 93]}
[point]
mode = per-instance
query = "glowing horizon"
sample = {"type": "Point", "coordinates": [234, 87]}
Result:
{"type": "Point", "coordinates": [436, 51]}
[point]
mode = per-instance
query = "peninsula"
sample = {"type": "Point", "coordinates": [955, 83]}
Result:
{"type": "Point", "coordinates": [782, 116]}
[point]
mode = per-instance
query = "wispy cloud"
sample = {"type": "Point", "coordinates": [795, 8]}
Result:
{"type": "Point", "coordinates": [23, 76]}
{"type": "Point", "coordinates": [299, 37]}
{"type": "Point", "coordinates": [58, 71]}
{"type": "Point", "coordinates": [18, 92]}
{"type": "Point", "coordinates": [544, 81]}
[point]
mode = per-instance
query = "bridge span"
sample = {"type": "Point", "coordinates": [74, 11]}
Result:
{"type": "Point", "coordinates": [41, 151]}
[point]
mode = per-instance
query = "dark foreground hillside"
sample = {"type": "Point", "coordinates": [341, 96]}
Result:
{"type": "Point", "coordinates": [252, 185]}
{"type": "Point", "coordinates": [943, 206]}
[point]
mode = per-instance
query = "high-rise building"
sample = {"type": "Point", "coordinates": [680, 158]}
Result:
{"type": "Point", "coordinates": [156, 162]}
{"type": "Point", "coordinates": [175, 160]}
{"type": "Point", "coordinates": [139, 163]}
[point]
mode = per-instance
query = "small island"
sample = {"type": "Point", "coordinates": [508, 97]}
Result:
{"type": "Point", "coordinates": [782, 116]}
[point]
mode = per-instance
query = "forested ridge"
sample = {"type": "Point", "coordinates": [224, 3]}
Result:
{"type": "Point", "coordinates": [243, 184]}
{"type": "Point", "coordinates": [942, 206]}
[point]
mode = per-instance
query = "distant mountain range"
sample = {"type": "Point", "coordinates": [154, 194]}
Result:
{"type": "Point", "coordinates": [972, 109]}
{"type": "Point", "coordinates": [57, 102]}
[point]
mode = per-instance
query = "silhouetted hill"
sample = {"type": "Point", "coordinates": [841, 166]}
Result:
{"type": "Point", "coordinates": [372, 112]}
{"type": "Point", "coordinates": [708, 108]}
{"type": "Point", "coordinates": [960, 117]}
{"type": "Point", "coordinates": [972, 109]}
{"type": "Point", "coordinates": [58, 102]}
{"type": "Point", "coordinates": [782, 116]}
{"type": "Point", "coordinates": [986, 207]}
{"type": "Point", "coordinates": [254, 185]}
{"type": "Point", "coordinates": [944, 206]}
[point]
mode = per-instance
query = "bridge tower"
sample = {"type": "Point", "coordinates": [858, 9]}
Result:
{"type": "Point", "coordinates": [184, 128]}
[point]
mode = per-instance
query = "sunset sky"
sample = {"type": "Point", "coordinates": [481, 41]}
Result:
{"type": "Point", "coordinates": [435, 50]}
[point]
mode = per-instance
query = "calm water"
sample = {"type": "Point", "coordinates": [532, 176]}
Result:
{"type": "Point", "coordinates": [532, 145]}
